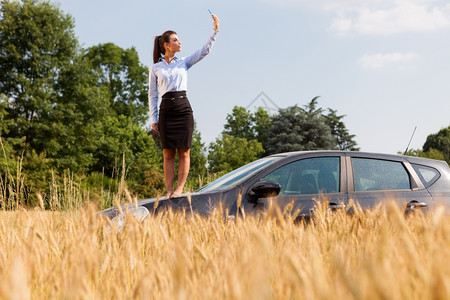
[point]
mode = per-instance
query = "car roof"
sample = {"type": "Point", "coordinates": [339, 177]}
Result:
{"type": "Point", "coordinates": [411, 159]}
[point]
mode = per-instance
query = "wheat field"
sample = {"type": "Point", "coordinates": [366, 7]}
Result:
{"type": "Point", "coordinates": [377, 254]}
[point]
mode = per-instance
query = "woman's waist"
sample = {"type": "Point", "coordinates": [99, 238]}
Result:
{"type": "Point", "coordinates": [174, 95]}
{"type": "Point", "coordinates": [176, 102]}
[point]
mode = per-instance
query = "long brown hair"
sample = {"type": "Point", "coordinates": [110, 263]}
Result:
{"type": "Point", "coordinates": [158, 49]}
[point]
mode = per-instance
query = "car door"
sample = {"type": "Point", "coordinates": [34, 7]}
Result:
{"type": "Point", "coordinates": [303, 183]}
{"type": "Point", "coordinates": [380, 180]}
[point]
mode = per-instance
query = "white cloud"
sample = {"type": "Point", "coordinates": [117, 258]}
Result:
{"type": "Point", "coordinates": [380, 17]}
{"type": "Point", "coordinates": [402, 16]}
{"type": "Point", "coordinates": [378, 61]}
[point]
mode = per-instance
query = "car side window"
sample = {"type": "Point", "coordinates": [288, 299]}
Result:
{"type": "Point", "coordinates": [375, 175]}
{"type": "Point", "coordinates": [428, 175]}
{"type": "Point", "coordinates": [308, 176]}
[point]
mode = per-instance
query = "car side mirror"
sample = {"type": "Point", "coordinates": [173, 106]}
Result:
{"type": "Point", "coordinates": [264, 189]}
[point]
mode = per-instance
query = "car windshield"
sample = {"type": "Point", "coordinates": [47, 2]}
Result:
{"type": "Point", "coordinates": [237, 176]}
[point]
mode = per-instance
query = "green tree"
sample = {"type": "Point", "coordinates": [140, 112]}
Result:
{"type": "Point", "coordinates": [64, 108]}
{"type": "Point", "coordinates": [5, 123]}
{"type": "Point", "coordinates": [343, 139]}
{"type": "Point", "coordinates": [239, 124]}
{"type": "Point", "coordinates": [122, 136]}
{"type": "Point", "coordinates": [261, 126]}
{"type": "Point", "coordinates": [439, 142]}
{"type": "Point", "coordinates": [7, 161]}
{"type": "Point", "coordinates": [242, 123]}
{"type": "Point", "coordinates": [412, 152]}
{"type": "Point", "coordinates": [198, 158]}
{"type": "Point", "coordinates": [71, 129]}
{"type": "Point", "coordinates": [431, 153]}
{"type": "Point", "coordinates": [142, 158]}
{"type": "Point", "coordinates": [296, 129]}
{"type": "Point", "coordinates": [4, 120]}
{"type": "Point", "coordinates": [37, 41]}
{"type": "Point", "coordinates": [434, 154]}
{"type": "Point", "coordinates": [53, 101]}
{"type": "Point", "coordinates": [229, 153]}
{"type": "Point", "coordinates": [124, 77]}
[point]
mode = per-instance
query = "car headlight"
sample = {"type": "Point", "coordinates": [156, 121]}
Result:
{"type": "Point", "coordinates": [140, 213]}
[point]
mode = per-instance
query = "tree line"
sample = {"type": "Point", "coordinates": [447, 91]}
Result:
{"type": "Point", "coordinates": [65, 109]}
{"type": "Point", "coordinates": [247, 136]}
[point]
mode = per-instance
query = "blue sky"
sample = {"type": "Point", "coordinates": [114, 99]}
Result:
{"type": "Point", "coordinates": [385, 64]}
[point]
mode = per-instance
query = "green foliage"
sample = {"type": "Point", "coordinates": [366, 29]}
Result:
{"type": "Point", "coordinates": [412, 152]}
{"type": "Point", "coordinates": [295, 129]}
{"type": "Point", "coordinates": [63, 108]}
{"type": "Point", "coordinates": [431, 153]}
{"type": "Point", "coordinates": [437, 146]}
{"type": "Point", "coordinates": [123, 137]}
{"type": "Point", "coordinates": [71, 130]}
{"type": "Point", "coordinates": [242, 123]}
{"type": "Point", "coordinates": [37, 41]}
{"type": "Point", "coordinates": [292, 129]}
{"type": "Point", "coordinates": [439, 142]}
{"type": "Point", "coordinates": [145, 179]}
{"type": "Point", "coordinates": [198, 170]}
{"type": "Point", "coordinates": [124, 77]}
{"type": "Point", "coordinates": [37, 171]}
{"type": "Point", "coordinates": [230, 152]}
{"type": "Point", "coordinates": [262, 125]}
{"type": "Point", "coordinates": [7, 159]}
{"type": "Point", "coordinates": [52, 102]}
{"type": "Point", "coordinates": [239, 124]}
{"type": "Point", "coordinates": [435, 154]}
{"type": "Point", "coordinates": [5, 122]}
{"type": "Point", "coordinates": [343, 139]}
{"type": "Point", "coordinates": [242, 140]}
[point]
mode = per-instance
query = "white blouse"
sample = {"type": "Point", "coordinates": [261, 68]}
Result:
{"type": "Point", "coordinates": [172, 77]}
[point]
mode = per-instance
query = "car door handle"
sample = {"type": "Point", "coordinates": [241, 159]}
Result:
{"type": "Point", "coordinates": [334, 206]}
{"type": "Point", "coordinates": [411, 205]}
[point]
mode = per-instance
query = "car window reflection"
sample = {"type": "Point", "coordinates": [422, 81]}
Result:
{"type": "Point", "coordinates": [237, 176]}
{"type": "Point", "coordinates": [376, 175]}
{"type": "Point", "coordinates": [308, 176]}
{"type": "Point", "coordinates": [428, 175]}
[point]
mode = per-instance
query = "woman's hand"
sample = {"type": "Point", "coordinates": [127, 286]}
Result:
{"type": "Point", "coordinates": [155, 127]}
{"type": "Point", "coordinates": [216, 22]}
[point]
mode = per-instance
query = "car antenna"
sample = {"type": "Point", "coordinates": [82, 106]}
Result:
{"type": "Point", "coordinates": [415, 127]}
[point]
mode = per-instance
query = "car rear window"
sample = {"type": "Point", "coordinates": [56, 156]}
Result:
{"type": "Point", "coordinates": [427, 174]}
{"type": "Point", "coordinates": [376, 175]}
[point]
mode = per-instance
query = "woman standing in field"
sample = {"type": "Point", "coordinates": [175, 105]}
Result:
{"type": "Point", "coordinates": [175, 122]}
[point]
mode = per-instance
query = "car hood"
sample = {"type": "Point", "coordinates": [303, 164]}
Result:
{"type": "Point", "coordinates": [199, 202]}
{"type": "Point", "coordinates": [149, 203]}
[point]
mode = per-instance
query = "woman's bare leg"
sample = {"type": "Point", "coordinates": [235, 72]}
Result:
{"type": "Point", "coordinates": [184, 164]}
{"type": "Point", "coordinates": [169, 170]}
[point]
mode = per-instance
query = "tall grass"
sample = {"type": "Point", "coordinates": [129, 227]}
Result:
{"type": "Point", "coordinates": [64, 192]}
{"type": "Point", "coordinates": [12, 187]}
{"type": "Point", "coordinates": [377, 254]}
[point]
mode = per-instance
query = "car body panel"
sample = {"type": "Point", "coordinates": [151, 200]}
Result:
{"type": "Point", "coordinates": [415, 194]}
{"type": "Point", "coordinates": [301, 204]}
{"type": "Point", "coordinates": [343, 167]}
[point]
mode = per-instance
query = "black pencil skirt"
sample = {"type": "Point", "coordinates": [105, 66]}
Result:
{"type": "Point", "coordinates": [176, 121]}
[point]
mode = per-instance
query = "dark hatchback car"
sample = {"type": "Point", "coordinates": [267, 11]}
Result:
{"type": "Point", "coordinates": [302, 178]}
